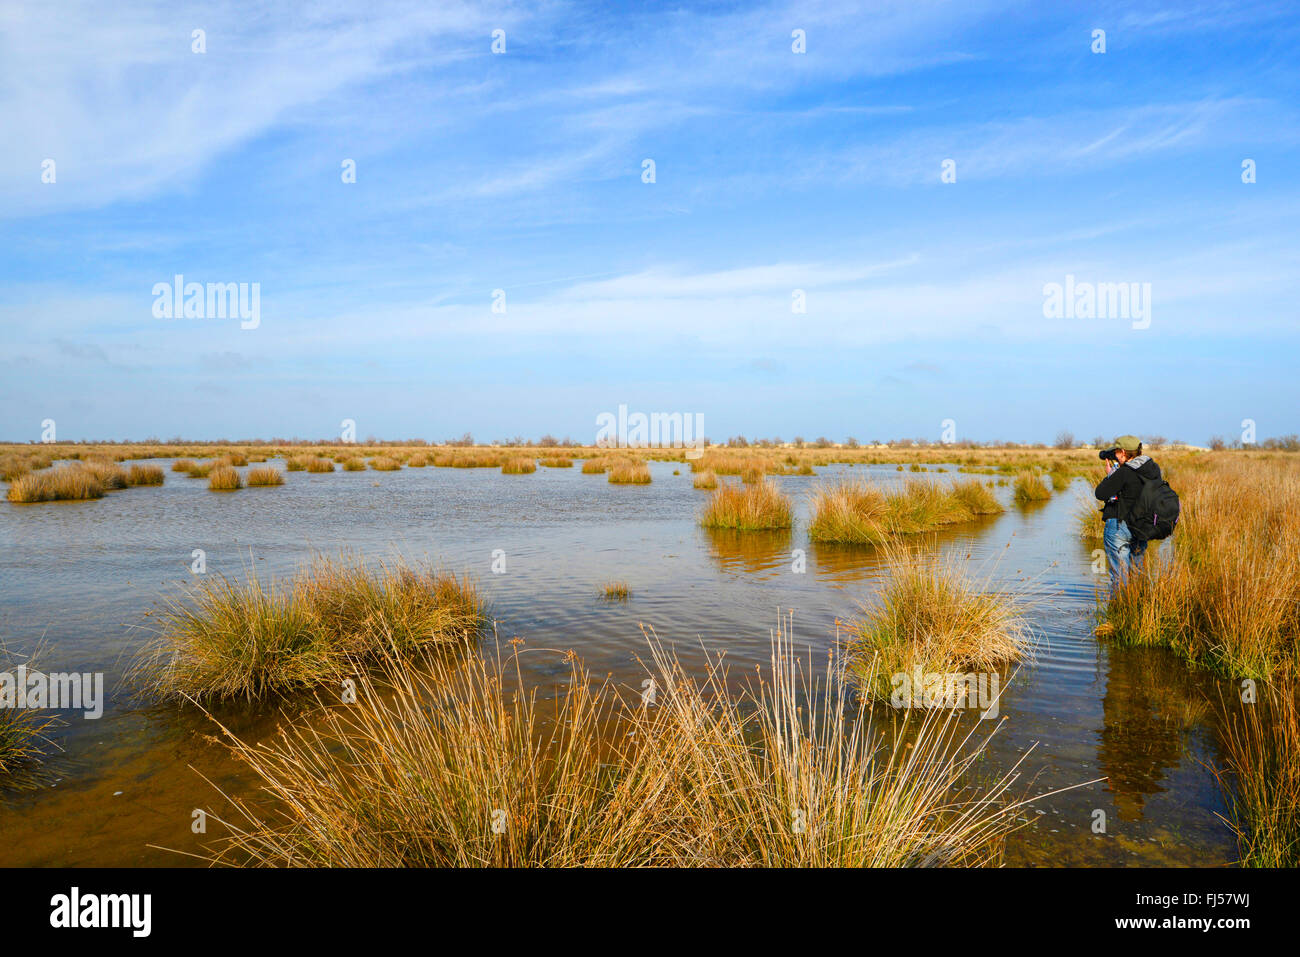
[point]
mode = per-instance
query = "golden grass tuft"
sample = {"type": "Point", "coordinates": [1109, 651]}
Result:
{"type": "Point", "coordinates": [69, 483]}
{"type": "Point", "coordinates": [616, 591]}
{"type": "Point", "coordinates": [554, 462]}
{"type": "Point", "coordinates": [1028, 487]}
{"type": "Point", "coordinates": [706, 480]}
{"type": "Point", "coordinates": [321, 465]}
{"type": "Point", "coordinates": [224, 478]}
{"type": "Point", "coordinates": [1088, 522]}
{"type": "Point", "coordinates": [109, 474]}
{"type": "Point", "coordinates": [458, 764]}
{"type": "Point", "coordinates": [22, 730]}
{"type": "Point", "coordinates": [629, 473]}
{"type": "Point", "coordinates": [383, 463]}
{"type": "Point", "coordinates": [748, 508]}
{"type": "Point", "coordinates": [144, 475]}
{"type": "Point", "coordinates": [930, 617]}
{"type": "Point", "coordinates": [1260, 742]}
{"type": "Point", "coordinates": [262, 477]}
{"type": "Point", "coordinates": [520, 465]}
{"type": "Point", "coordinates": [858, 513]}
{"type": "Point", "coordinates": [250, 640]}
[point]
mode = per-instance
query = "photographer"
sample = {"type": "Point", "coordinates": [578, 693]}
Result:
{"type": "Point", "coordinates": [1126, 467]}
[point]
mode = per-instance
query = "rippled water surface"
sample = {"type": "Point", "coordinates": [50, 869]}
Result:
{"type": "Point", "coordinates": [79, 580]}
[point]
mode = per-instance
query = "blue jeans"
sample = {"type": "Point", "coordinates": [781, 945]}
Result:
{"type": "Point", "coordinates": [1122, 552]}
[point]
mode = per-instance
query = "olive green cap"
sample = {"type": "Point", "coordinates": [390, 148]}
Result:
{"type": "Point", "coordinates": [1129, 443]}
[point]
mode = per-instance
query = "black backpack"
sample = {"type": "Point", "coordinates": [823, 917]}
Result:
{"type": "Point", "coordinates": [1155, 512]}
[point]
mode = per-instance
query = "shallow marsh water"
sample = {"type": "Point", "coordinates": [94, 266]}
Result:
{"type": "Point", "coordinates": [79, 580]}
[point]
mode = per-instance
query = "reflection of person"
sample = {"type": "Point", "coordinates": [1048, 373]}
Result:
{"type": "Point", "coordinates": [1126, 467]}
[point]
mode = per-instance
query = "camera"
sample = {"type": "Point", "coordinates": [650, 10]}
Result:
{"type": "Point", "coordinates": [1108, 454]}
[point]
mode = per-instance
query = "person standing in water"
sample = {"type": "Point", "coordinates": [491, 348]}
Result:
{"type": "Point", "coordinates": [1126, 468]}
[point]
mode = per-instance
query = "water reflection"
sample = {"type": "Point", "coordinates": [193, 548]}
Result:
{"type": "Point", "coordinates": [752, 552]}
{"type": "Point", "coordinates": [1149, 710]}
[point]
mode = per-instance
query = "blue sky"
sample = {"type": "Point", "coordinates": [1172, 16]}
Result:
{"type": "Point", "coordinates": [774, 171]}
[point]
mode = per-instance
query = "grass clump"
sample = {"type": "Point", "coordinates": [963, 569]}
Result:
{"type": "Point", "coordinates": [706, 480]}
{"type": "Point", "coordinates": [70, 483]}
{"type": "Point", "coordinates": [930, 618]}
{"type": "Point", "coordinates": [317, 464]}
{"type": "Point", "coordinates": [419, 771]}
{"type": "Point", "coordinates": [383, 463]}
{"type": "Point", "coordinates": [556, 463]}
{"type": "Point", "coordinates": [747, 508]}
{"type": "Point", "coordinates": [1088, 521]}
{"type": "Point", "coordinates": [250, 640]}
{"type": "Point", "coordinates": [1028, 487]}
{"type": "Point", "coordinates": [596, 466]}
{"type": "Point", "coordinates": [109, 474]}
{"type": "Point", "coordinates": [224, 478]}
{"type": "Point", "coordinates": [629, 473]}
{"type": "Point", "coordinates": [616, 591]}
{"type": "Point", "coordinates": [1261, 745]}
{"type": "Point", "coordinates": [855, 512]}
{"type": "Point", "coordinates": [144, 475]}
{"type": "Point", "coordinates": [264, 477]}
{"type": "Point", "coordinates": [22, 730]}
{"type": "Point", "coordinates": [519, 465]}
{"type": "Point", "coordinates": [353, 465]}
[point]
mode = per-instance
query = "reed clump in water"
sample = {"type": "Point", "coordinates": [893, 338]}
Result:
{"type": "Point", "coordinates": [69, 483]}
{"type": "Point", "coordinates": [854, 512]}
{"type": "Point", "coordinates": [22, 730]}
{"type": "Point", "coordinates": [596, 466]}
{"type": "Point", "coordinates": [555, 462]}
{"type": "Point", "coordinates": [264, 477]}
{"type": "Point", "coordinates": [616, 591]}
{"type": "Point", "coordinates": [199, 469]}
{"type": "Point", "coordinates": [353, 465]}
{"type": "Point", "coordinates": [384, 463]}
{"type": "Point", "coordinates": [109, 474]}
{"type": "Point", "coordinates": [251, 640]}
{"type": "Point", "coordinates": [322, 465]}
{"type": "Point", "coordinates": [144, 475]}
{"type": "Point", "coordinates": [295, 463]}
{"type": "Point", "coordinates": [1224, 590]}
{"type": "Point", "coordinates": [1088, 521]}
{"type": "Point", "coordinates": [1261, 744]}
{"type": "Point", "coordinates": [12, 465]}
{"type": "Point", "coordinates": [931, 618]}
{"type": "Point", "coordinates": [748, 508]}
{"type": "Point", "coordinates": [706, 480]}
{"type": "Point", "coordinates": [1028, 487]}
{"type": "Point", "coordinates": [224, 478]}
{"type": "Point", "coordinates": [457, 763]}
{"type": "Point", "coordinates": [519, 465]}
{"type": "Point", "coordinates": [629, 473]}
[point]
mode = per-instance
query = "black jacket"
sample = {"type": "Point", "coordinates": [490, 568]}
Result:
{"type": "Point", "coordinates": [1124, 485]}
